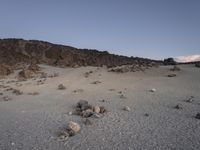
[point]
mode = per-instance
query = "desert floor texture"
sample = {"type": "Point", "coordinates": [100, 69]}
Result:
{"type": "Point", "coordinates": [33, 120]}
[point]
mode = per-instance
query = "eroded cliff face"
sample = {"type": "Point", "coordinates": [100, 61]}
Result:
{"type": "Point", "coordinates": [19, 51]}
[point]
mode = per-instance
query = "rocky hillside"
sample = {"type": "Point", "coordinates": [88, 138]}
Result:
{"type": "Point", "coordinates": [16, 51]}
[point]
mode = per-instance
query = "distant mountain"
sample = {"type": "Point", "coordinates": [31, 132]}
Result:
{"type": "Point", "coordinates": [15, 51]}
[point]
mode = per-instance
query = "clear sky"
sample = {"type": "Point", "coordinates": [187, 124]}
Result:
{"type": "Point", "coordinates": [148, 28]}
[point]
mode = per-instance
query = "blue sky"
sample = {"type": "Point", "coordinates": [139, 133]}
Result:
{"type": "Point", "coordinates": [148, 28]}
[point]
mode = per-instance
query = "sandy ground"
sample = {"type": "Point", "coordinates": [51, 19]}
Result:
{"type": "Point", "coordinates": [30, 122]}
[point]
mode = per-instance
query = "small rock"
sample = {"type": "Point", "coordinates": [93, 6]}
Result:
{"type": "Point", "coordinates": [64, 135]}
{"type": "Point", "coordinates": [146, 115]}
{"type": "Point", "coordinates": [61, 87]}
{"type": "Point", "coordinates": [33, 93]}
{"type": "Point", "coordinates": [1, 93]}
{"type": "Point", "coordinates": [171, 75]}
{"type": "Point", "coordinates": [122, 96]}
{"type": "Point", "coordinates": [55, 74]}
{"type": "Point", "coordinates": [111, 89]}
{"type": "Point", "coordinates": [70, 113]}
{"type": "Point", "coordinates": [96, 109]}
{"type": "Point", "coordinates": [73, 126]}
{"type": "Point", "coordinates": [12, 143]}
{"type": "Point", "coordinates": [81, 103]}
{"type": "Point", "coordinates": [189, 100]}
{"type": "Point", "coordinates": [17, 92]}
{"type": "Point", "coordinates": [85, 107]}
{"type": "Point", "coordinates": [87, 114]}
{"type": "Point", "coordinates": [6, 98]}
{"type": "Point", "coordinates": [102, 109]}
{"type": "Point", "coordinates": [126, 108]}
{"type": "Point", "coordinates": [71, 132]}
{"type": "Point", "coordinates": [78, 91]}
{"type": "Point", "coordinates": [197, 116]}
{"type": "Point", "coordinates": [120, 92]}
{"type": "Point", "coordinates": [96, 82]}
{"type": "Point", "coordinates": [153, 90]}
{"type": "Point", "coordinates": [178, 107]}
{"type": "Point", "coordinates": [103, 100]}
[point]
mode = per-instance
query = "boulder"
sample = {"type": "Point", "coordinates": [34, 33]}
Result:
{"type": "Point", "coordinates": [169, 61]}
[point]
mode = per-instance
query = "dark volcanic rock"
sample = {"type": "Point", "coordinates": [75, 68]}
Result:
{"type": "Point", "coordinates": [171, 75]}
{"type": "Point", "coordinates": [197, 64]}
{"type": "Point", "coordinates": [169, 61]}
{"type": "Point", "coordinates": [15, 51]}
{"type": "Point", "coordinates": [197, 116]}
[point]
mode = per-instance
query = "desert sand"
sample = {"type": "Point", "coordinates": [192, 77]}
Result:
{"type": "Point", "coordinates": [32, 122]}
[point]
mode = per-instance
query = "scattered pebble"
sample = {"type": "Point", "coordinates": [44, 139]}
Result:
{"type": "Point", "coordinates": [17, 92]}
{"type": "Point", "coordinates": [178, 106]}
{"type": "Point", "coordinates": [191, 99]}
{"type": "Point", "coordinates": [33, 93]}
{"type": "Point", "coordinates": [102, 109]}
{"type": "Point", "coordinates": [171, 75]}
{"type": "Point", "coordinates": [96, 82]}
{"type": "Point", "coordinates": [197, 116]}
{"type": "Point", "coordinates": [63, 135]}
{"type": "Point", "coordinates": [122, 96]}
{"type": "Point", "coordinates": [103, 100]}
{"type": "Point", "coordinates": [6, 98]}
{"type": "Point", "coordinates": [126, 108]}
{"type": "Point", "coordinates": [153, 90]}
{"type": "Point", "coordinates": [78, 91]}
{"type": "Point", "coordinates": [84, 109]}
{"type": "Point", "coordinates": [96, 109]}
{"type": "Point", "coordinates": [12, 143]}
{"type": "Point", "coordinates": [111, 89]}
{"type": "Point", "coordinates": [61, 87]}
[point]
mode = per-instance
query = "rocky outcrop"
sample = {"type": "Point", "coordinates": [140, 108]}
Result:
{"type": "Point", "coordinates": [29, 72]}
{"type": "Point", "coordinates": [139, 66]}
{"type": "Point", "coordinates": [5, 70]}
{"type": "Point", "coordinates": [17, 51]}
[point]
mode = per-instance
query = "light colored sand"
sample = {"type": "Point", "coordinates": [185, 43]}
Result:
{"type": "Point", "coordinates": [32, 122]}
